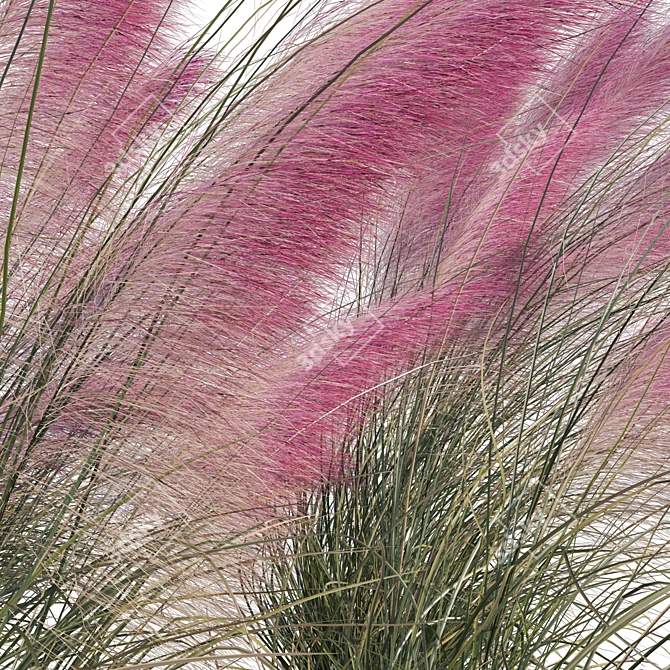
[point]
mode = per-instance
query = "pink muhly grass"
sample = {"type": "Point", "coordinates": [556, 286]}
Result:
{"type": "Point", "coordinates": [65, 212]}
{"type": "Point", "coordinates": [384, 132]}
{"type": "Point", "coordinates": [217, 281]}
{"type": "Point", "coordinates": [268, 237]}
{"type": "Point", "coordinates": [499, 235]}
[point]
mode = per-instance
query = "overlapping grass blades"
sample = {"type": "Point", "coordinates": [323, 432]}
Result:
{"type": "Point", "coordinates": [462, 541]}
{"type": "Point", "coordinates": [94, 571]}
{"type": "Point", "coordinates": [84, 585]}
{"type": "Point", "coordinates": [498, 509]}
{"type": "Point", "coordinates": [495, 408]}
